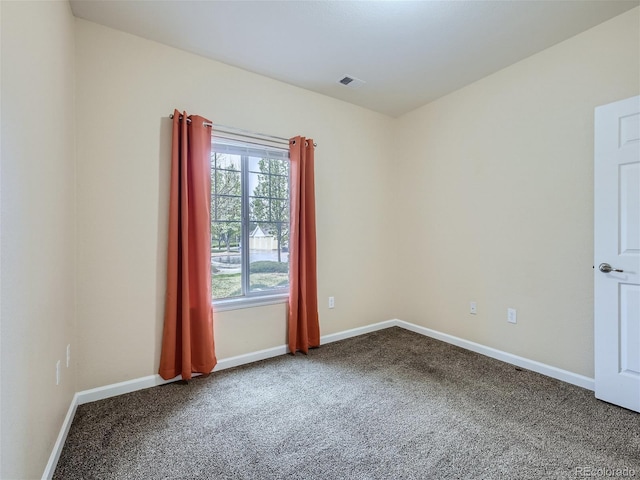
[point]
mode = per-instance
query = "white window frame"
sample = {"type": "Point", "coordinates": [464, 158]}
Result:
{"type": "Point", "coordinates": [247, 149]}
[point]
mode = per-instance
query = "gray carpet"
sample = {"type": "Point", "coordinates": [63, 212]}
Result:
{"type": "Point", "coordinates": [387, 405]}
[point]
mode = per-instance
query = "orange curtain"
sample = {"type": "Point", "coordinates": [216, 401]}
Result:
{"type": "Point", "coordinates": [187, 341]}
{"type": "Point", "coordinates": [304, 329]}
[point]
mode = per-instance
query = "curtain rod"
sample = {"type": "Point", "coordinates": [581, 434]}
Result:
{"type": "Point", "coordinates": [204, 124]}
{"type": "Point", "coordinates": [244, 133]}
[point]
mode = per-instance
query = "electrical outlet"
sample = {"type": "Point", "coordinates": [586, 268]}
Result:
{"type": "Point", "coordinates": [58, 372]}
{"type": "Point", "coordinates": [511, 315]}
{"type": "Point", "coordinates": [473, 308]}
{"type": "Point", "coordinates": [332, 302]}
{"type": "Point", "coordinates": [68, 355]}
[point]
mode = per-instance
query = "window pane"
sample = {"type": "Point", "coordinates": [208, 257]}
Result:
{"type": "Point", "coordinates": [226, 188]}
{"type": "Point", "coordinates": [268, 257]}
{"type": "Point", "coordinates": [227, 208]}
{"type": "Point", "coordinates": [225, 182]}
{"type": "Point", "coordinates": [258, 204]}
{"type": "Point", "coordinates": [226, 161]}
{"type": "Point", "coordinates": [254, 164]}
{"type": "Point", "coordinates": [226, 259]}
{"type": "Point", "coordinates": [269, 190]}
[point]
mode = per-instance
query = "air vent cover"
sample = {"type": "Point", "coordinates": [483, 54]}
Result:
{"type": "Point", "coordinates": [351, 81]}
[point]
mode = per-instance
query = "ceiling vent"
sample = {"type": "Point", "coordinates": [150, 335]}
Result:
{"type": "Point", "coordinates": [351, 81]}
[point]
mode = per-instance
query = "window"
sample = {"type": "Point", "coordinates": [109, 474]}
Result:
{"type": "Point", "coordinates": [249, 222]}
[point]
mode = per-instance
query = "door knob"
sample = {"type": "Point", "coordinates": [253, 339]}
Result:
{"type": "Point", "coordinates": [606, 268]}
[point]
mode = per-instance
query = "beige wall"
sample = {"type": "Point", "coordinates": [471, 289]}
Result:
{"type": "Point", "coordinates": [38, 230]}
{"type": "Point", "coordinates": [126, 88]}
{"type": "Point", "coordinates": [496, 186]}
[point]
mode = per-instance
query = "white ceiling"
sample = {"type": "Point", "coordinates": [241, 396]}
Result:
{"type": "Point", "coordinates": [408, 52]}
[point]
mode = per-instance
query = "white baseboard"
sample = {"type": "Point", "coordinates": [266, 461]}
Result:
{"type": "Point", "coordinates": [250, 357]}
{"type": "Point", "coordinates": [133, 385]}
{"type": "Point", "coordinates": [354, 332]}
{"type": "Point", "coordinates": [62, 437]}
{"type": "Point", "coordinates": [120, 388]}
{"type": "Point", "coordinates": [115, 389]}
{"type": "Point", "coordinates": [544, 369]}
{"type": "Point", "coordinates": [129, 386]}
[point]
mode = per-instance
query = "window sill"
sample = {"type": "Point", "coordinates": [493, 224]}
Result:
{"type": "Point", "coordinates": [249, 302]}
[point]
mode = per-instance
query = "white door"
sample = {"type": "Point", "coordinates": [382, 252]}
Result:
{"type": "Point", "coordinates": [617, 253]}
